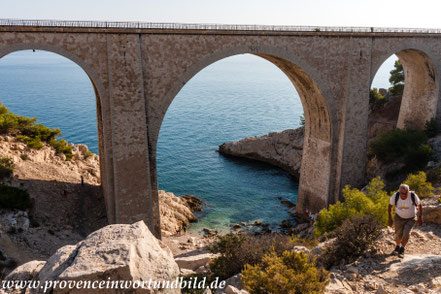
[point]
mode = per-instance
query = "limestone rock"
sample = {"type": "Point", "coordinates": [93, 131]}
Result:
{"type": "Point", "coordinates": [233, 281]}
{"type": "Point", "coordinates": [233, 290]}
{"type": "Point", "coordinates": [432, 214]}
{"type": "Point", "coordinates": [13, 220]}
{"type": "Point", "coordinates": [338, 286]}
{"type": "Point", "coordinates": [175, 213]}
{"type": "Point", "coordinates": [26, 271]}
{"type": "Point", "coordinates": [283, 149]}
{"type": "Point", "coordinates": [436, 282]}
{"type": "Point", "coordinates": [115, 252]}
{"type": "Point", "coordinates": [435, 143]}
{"type": "Point", "coordinates": [82, 148]}
{"type": "Point", "coordinates": [300, 249]}
{"type": "Point", "coordinates": [194, 260]}
{"type": "Point", "coordinates": [319, 248]}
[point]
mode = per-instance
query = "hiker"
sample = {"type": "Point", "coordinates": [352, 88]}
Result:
{"type": "Point", "coordinates": [406, 203]}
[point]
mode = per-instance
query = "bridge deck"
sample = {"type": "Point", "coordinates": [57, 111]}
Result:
{"type": "Point", "coordinates": [191, 28]}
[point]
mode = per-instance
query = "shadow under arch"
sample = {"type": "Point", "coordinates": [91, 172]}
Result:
{"type": "Point", "coordinates": [315, 187]}
{"type": "Point", "coordinates": [421, 91]}
{"type": "Point", "coordinates": [100, 93]}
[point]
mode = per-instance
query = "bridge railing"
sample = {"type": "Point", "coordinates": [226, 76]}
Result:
{"type": "Point", "coordinates": [205, 27]}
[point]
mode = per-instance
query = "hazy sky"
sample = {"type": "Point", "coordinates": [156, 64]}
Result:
{"type": "Point", "coordinates": [404, 13]}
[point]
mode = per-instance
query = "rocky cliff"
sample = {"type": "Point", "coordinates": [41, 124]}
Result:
{"type": "Point", "coordinates": [282, 149]}
{"type": "Point", "coordinates": [68, 202]}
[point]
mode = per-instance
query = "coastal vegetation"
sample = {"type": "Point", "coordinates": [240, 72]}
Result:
{"type": "Point", "coordinates": [267, 263]}
{"type": "Point", "coordinates": [376, 99]}
{"type": "Point", "coordinates": [6, 167]}
{"type": "Point", "coordinates": [373, 202]}
{"type": "Point", "coordinates": [431, 128]}
{"type": "Point", "coordinates": [353, 238]}
{"type": "Point", "coordinates": [402, 145]}
{"type": "Point", "coordinates": [237, 250]}
{"type": "Point", "coordinates": [289, 272]}
{"type": "Point", "coordinates": [418, 182]}
{"type": "Point", "coordinates": [32, 133]}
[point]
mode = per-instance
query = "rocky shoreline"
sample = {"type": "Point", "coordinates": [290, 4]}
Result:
{"type": "Point", "coordinates": [67, 199]}
{"type": "Point", "coordinates": [283, 149]}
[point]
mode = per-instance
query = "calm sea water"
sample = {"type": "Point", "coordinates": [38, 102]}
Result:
{"type": "Point", "coordinates": [233, 98]}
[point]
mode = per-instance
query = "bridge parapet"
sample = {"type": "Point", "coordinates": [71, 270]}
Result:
{"type": "Point", "coordinates": [212, 27]}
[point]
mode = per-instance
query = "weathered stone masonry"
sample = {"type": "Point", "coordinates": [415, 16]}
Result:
{"type": "Point", "coordinates": [136, 73]}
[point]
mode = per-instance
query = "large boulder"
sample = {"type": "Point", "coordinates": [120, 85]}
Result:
{"type": "Point", "coordinates": [283, 149]}
{"type": "Point", "coordinates": [117, 252]}
{"type": "Point", "coordinates": [432, 214]}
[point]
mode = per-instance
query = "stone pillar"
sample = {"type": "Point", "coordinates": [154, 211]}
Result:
{"type": "Point", "coordinates": [132, 187]}
{"type": "Point", "coordinates": [314, 175]}
{"type": "Point", "coordinates": [354, 133]}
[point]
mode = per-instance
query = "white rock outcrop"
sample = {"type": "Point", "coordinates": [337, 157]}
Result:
{"type": "Point", "coordinates": [175, 213]}
{"type": "Point", "coordinates": [194, 260]}
{"type": "Point", "coordinates": [117, 252]}
{"type": "Point", "coordinates": [283, 149]}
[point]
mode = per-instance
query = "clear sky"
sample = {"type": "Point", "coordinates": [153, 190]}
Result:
{"type": "Point", "coordinates": [403, 13]}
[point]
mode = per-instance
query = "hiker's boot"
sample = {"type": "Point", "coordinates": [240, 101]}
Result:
{"type": "Point", "coordinates": [396, 250]}
{"type": "Point", "coordinates": [401, 252]}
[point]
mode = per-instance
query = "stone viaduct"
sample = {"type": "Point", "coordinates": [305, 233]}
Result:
{"type": "Point", "coordinates": [138, 68]}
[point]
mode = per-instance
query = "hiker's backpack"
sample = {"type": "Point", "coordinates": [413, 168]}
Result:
{"type": "Point", "coordinates": [412, 196]}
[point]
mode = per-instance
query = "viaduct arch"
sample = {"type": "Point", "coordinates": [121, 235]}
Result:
{"type": "Point", "coordinates": [138, 68]}
{"type": "Point", "coordinates": [316, 163]}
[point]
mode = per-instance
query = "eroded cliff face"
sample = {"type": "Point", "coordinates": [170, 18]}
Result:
{"type": "Point", "coordinates": [283, 149]}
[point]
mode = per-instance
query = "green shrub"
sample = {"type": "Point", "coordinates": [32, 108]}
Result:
{"type": "Point", "coordinates": [397, 79]}
{"type": "Point", "coordinates": [354, 237]}
{"type": "Point", "coordinates": [292, 272]}
{"type": "Point", "coordinates": [374, 202]}
{"type": "Point", "coordinates": [88, 154]}
{"type": "Point", "coordinates": [32, 133]}
{"type": "Point", "coordinates": [236, 250]}
{"type": "Point", "coordinates": [6, 167]}
{"type": "Point", "coordinates": [409, 146]}
{"type": "Point", "coordinates": [307, 242]}
{"type": "Point", "coordinates": [3, 109]}
{"type": "Point", "coordinates": [34, 143]}
{"type": "Point", "coordinates": [418, 183]}
{"type": "Point", "coordinates": [8, 122]}
{"type": "Point", "coordinates": [375, 99]}
{"type": "Point", "coordinates": [431, 128]}
{"type": "Point", "coordinates": [12, 197]}
{"type": "Point", "coordinates": [397, 90]}
{"type": "Point", "coordinates": [302, 119]}
{"type": "Point", "coordinates": [61, 146]}
{"type": "Point", "coordinates": [24, 156]}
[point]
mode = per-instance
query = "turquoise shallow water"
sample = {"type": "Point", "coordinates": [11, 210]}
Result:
{"type": "Point", "coordinates": [234, 98]}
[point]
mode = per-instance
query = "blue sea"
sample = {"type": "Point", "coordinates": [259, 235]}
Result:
{"type": "Point", "coordinates": [234, 98]}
